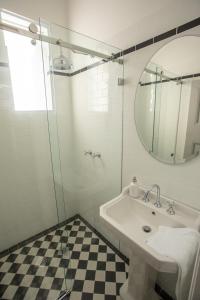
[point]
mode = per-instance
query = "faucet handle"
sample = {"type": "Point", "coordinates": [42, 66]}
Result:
{"type": "Point", "coordinates": [96, 154]}
{"type": "Point", "coordinates": [170, 209]}
{"type": "Point", "coordinates": [88, 152]}
{"type": "Point", "coordinates": [146, 196]}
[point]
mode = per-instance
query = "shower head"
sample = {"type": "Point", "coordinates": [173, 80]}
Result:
{"type": "Point", "coordinates": [62, 63]}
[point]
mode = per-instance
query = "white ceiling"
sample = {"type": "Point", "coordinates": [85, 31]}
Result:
{"type": "Point", "coordinates": [124, 23]}
{"type": "Point", "coordinates": [108, 18]}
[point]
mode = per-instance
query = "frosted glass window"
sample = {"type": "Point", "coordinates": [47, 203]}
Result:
{"type": "Point", "coordinates": [26, 68]}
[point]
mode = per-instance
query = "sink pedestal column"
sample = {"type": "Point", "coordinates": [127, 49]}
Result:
{"type": "Point", "coordinates": [141, 281]}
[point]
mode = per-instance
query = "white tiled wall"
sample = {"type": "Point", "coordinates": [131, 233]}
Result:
{"type": "Point", "coordinates": [97, 123]}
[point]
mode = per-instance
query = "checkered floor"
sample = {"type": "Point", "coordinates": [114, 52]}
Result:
{"type": "Point", "coordinates": [37, 271]}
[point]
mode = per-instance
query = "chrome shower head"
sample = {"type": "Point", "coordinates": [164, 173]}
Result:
{"type": "Point", "coordinates": [62, 63]}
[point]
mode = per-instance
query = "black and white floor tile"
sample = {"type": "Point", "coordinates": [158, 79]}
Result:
{"type": "Point", "coordinates": [38, 271]}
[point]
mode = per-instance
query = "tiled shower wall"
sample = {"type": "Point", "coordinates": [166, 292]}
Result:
{"type": "Point", "coordinates": [97, 111]}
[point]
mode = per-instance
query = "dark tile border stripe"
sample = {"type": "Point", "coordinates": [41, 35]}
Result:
{"type": "Point", "coordinates": [122, 256]}
{"type": "Point", "coordinates": [69, 220]}
{"type": "Point", "coordinates": [189, 25]}
{"type": "Point", "coordinates": [160, 37]}
{"type": "Point", "coordinates": [162, 293]}
{"type": "Point", "coordinates": [151, 41]}
{"type": "Point", "coordinates": [164, 35]}
{"type": "Point", "coordinates": [144, 44]}
{"type": "Point", "coordinates": [36, 236]}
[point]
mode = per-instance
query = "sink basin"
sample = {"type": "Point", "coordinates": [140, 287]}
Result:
{"type": "Point", "coordinates": [134, 221]}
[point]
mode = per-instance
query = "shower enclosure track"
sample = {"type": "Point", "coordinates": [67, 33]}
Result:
{"type": "Point", "coordinates": [54, 41]}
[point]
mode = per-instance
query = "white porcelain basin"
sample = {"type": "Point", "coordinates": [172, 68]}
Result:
{"type": "Point", "coordinates": [127, 216]}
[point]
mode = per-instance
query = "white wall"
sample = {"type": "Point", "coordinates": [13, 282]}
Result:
{"type": "Point", "coordinates": [131, 24]}
{"type": "Point", "coordinates": [97, 180]}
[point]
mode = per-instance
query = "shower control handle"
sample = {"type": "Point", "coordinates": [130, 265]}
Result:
{"type": "Point", "coordinates": [88, 152]}
{"type": "Point", "coordinates": [96, 154]}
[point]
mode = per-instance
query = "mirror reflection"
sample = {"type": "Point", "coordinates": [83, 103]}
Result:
{"type": "Point", "coordinates": [167, 104]}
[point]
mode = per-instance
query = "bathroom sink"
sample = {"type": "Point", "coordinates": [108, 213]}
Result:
{"type": "Point", "coordinates": [134, 221]}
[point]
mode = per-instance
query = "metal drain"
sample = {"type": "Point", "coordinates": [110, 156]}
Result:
{"type": "Point", "coordinates": [146, 228]}
{"type": "Point", "coordinates": [64, 294]}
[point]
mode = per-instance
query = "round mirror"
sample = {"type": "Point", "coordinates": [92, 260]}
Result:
{"type": "Point", "coordinates": [167, 104]}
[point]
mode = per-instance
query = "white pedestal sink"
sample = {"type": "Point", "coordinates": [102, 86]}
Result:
{"type": "Point", "coordinates": [141, 282]}
{"type": "Point", "coordinates": [127, 216]}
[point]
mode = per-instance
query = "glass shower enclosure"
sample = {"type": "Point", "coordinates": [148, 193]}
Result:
{"type": "Point", "coordinates": [61, 106]}
{"type": "Point", "coordinates": [87, 97]}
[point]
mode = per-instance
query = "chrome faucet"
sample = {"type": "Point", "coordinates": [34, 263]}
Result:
{"type": "Point", "coordinates": [146, 195]}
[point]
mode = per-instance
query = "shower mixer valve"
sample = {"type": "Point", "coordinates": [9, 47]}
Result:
{"type": "Point", "coordinates": [92, 154]}
{"type": "Point", "coordinates": [97, 154]}
{"type": "Point", "coordinates": [88, 152]}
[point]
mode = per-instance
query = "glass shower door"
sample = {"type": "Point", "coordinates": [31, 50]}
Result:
{"type": "Point", "coordinates": [32, 236]}
{"type": "Point", "coordinates": [54, 131]}
{"type": "Point", "coordinates": [88, 99]}
{"type": "Point", "coordinates": [86, 123]}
